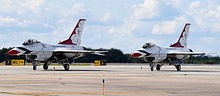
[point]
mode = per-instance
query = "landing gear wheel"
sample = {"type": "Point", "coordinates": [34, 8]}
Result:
{"type": "Point", "coordinates": [152, 68]}
{"type": "Point", "coordinates": [178, 67]}
{"type": "Point", "coordinates": [45, 66]}
{"type": "Point", "coordinates": [158, 67]}
{"type": "Point", "coordinates": [66, 67]}
{"type": "Point", "coordinates": [34, 67]}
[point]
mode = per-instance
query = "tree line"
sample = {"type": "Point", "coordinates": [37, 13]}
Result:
{"type": "Point", "coordinates": [117, 56]}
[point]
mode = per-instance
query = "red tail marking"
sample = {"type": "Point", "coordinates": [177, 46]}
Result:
{"type": "Point", "coordinates": [182, 37]}
{"type": "Point", "coordinates": [69, 41]}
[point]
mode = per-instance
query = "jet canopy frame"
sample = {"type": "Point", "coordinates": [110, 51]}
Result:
{"type": "Point", "coordinates": [148, 45]}
{"type": "Point", "coordinates": [30, 42]}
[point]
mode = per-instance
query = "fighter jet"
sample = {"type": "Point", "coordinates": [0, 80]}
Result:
{"type": "Point", "coordinates": [64, 52]}
{"type": "Point", "coordinates": [174, 55]}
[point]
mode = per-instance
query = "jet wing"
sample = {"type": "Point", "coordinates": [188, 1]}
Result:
{"type": "Point", "coordinates": [80, 51]}
{"type": "Point", "coordinates": [186, 53]}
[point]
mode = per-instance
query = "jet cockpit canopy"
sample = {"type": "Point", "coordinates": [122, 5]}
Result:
{"type": "Point", "coordinates": [148, 45]}
{"type": "Point", "coordinates": [30, 42]}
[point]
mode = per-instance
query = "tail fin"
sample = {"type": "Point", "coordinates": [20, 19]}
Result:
{"type": "Point", "coordinates": [75, 37]}
{"type": "Point", "coordinates": [182, 42]}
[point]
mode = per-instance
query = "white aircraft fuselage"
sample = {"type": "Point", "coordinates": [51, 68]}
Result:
{"type": "Point", "coordinates": [174, 55]}
{"type": "Point", "coordinates": [42, 51]}
{"type": "Point", "coordinates": [158, 54]}
{"type": "Point", "coordinates": [64, 52]}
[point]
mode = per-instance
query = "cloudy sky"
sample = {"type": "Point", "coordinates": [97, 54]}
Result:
{"type": "Point", "coordinates": [121, 24]}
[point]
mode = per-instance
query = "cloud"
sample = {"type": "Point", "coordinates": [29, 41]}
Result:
{"type": "Point", "coordinates": [154, 9]}
{"type": "Point", "coordinates": [126, 25]}
{"type": "Point", "coordinates": [167, 27]}
{"type": "Point", "coordinates": [78, 10]}
{"type": "Point", "coordinates": [21, 7]}
{"type": "Point", "coordinates": [23, 12]}
{"type": "Point", "coordinates": [34, 5]}
{"type": "Point", "coordinates": [107, 17]}
{"type": "Point", "coordinates": [5, 21]}
{"type": "Point", "coordinates": [195, 4]}
{"type": "Point", "coordinates": [150, 18]}
{"type": "Point", "coordinates": [209, 40]}
{"type": "Point", "coordinates": [147, 10]}
{"type": "Point", "coordinates": [205, 16]}
{"type": "Point", "coordinates": [37, 19]}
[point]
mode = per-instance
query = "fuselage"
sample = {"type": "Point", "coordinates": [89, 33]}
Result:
{"type": "Point", "coordinates": [64, 52]}
{"type": "Point", "coordinates": [37, 51]}
{"type": "Point", "coordinates": [174, 55]}
{"type": "Point", "coordinates": [154, 53]}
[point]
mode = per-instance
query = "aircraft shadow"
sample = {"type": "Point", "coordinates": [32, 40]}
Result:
{"type": "Point", "coordinates": [74, 70]}
{"type": "Point", "coordinates": [188, 71]}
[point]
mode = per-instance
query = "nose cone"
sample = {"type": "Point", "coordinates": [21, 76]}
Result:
{"type": "Point", "coordinates": [140, 53]}
{"type": "Point", "coordinates": [136, 55]}
{"type": "Point", "coordinates": [18, 51]}
{"type": "Point", "coordinates": [13, 52]}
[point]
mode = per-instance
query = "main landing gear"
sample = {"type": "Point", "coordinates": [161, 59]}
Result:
{"type": "Point", "coordinates": [34, 67]}
{"type": "Point", "coordinates": [158, 66]}
{"type": "Point", "coordinates": [178, 67]}
{"type": "Point", "coordinates": [66, 67]}
{"type": "Point", "coordinates": [45, 66]}
{"type": "Point", "coordinates": [37, 63]}
{"type": "Point", "coordinates": [66, 64]}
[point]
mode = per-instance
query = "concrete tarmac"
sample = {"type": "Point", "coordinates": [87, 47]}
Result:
{"type": "Point", "coordinates": [119, 80]}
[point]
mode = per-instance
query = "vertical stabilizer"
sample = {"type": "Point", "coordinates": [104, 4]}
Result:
{"type": "Point", "coordinates": [182, 41]}
{"type": "Point", "coordinates": [75, 37]}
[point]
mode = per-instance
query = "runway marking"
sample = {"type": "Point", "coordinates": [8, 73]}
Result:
{"type": "Point", "coordinates": [85, 93]}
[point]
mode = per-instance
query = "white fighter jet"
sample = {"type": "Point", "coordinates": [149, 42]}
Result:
{"type": "Point", "coordinates": [174, 55]}
{"type": "Point", "coordinates": [64, 52]}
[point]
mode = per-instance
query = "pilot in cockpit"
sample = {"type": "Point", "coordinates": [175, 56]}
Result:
{"type": "Point", "coordinates": [30, 42]}
{"type": "Point", "coordinates": [148, 45]}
